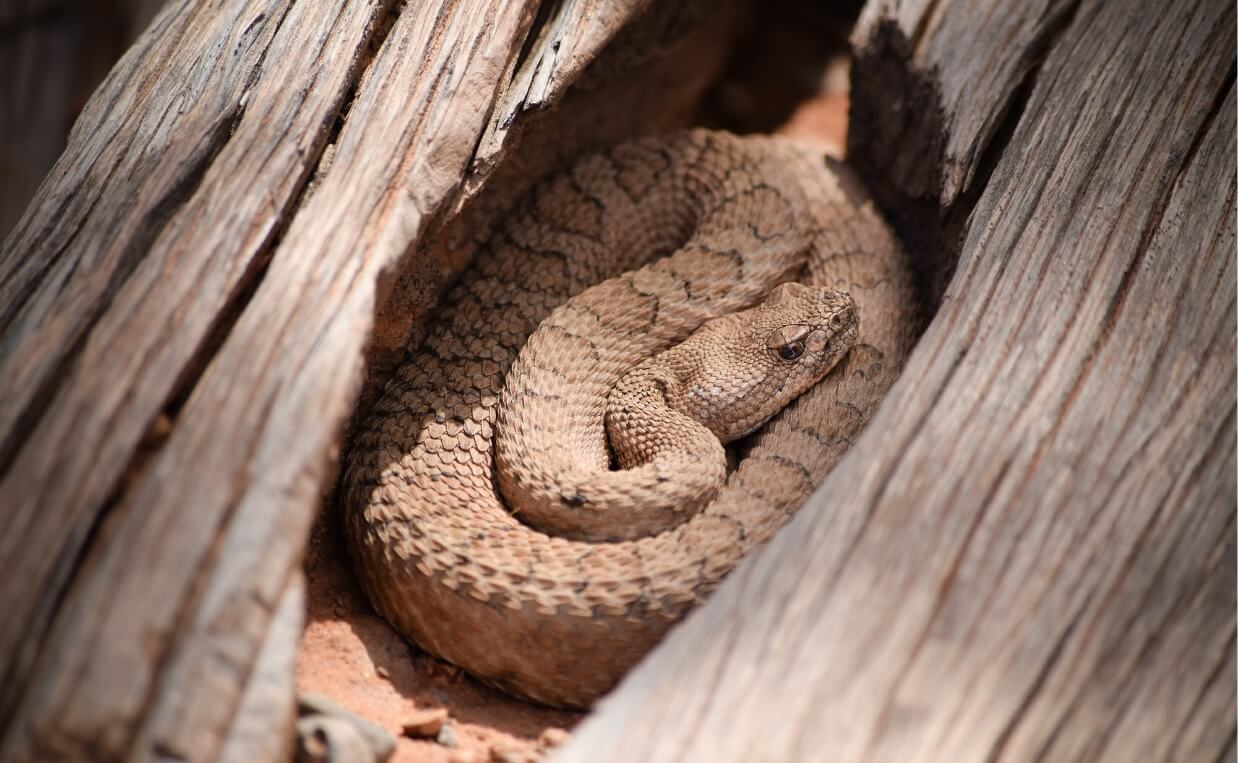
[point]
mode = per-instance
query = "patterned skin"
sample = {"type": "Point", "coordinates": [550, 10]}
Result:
{"type": "Point", "coordinates": [470, 486]}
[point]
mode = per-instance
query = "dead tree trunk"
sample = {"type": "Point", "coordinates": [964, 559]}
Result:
{"type": "Point", "coordinates": [1031, 548]}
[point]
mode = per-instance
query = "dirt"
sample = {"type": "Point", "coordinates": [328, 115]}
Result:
{"type": "Point", "coordinates": [348, 653]}
{"type": "Point", "coordinates": [351, 655]}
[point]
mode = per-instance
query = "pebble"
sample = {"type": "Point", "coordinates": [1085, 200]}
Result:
{"type": "Point", "coordinates": [552, 737]}
{"type": "Point", "coordinates": [381, 742]}
{"type": "Point", "coordinates": [424, 724]}
{"type": "Point", "coordinates": [447, 736]}
{"type": "Point", "coordinates": [324, 739]}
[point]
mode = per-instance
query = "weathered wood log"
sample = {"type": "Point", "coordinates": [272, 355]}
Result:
{"type": "Point", "coordinates": [1030, 552]}
{"type": "Point", "coordinates": [1031, 549]}
{"type": "Point", "coordinates": [185, 305]}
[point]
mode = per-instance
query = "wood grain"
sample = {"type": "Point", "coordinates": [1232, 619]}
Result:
{"type": "Point", "coordinates": [1030, 553]}
{"type": "Point", "coordinates": [185, 308]}
{"type": "Point", "coordinates": [112, 303]}
{"type": "Point", "coordinates": [261, 727]}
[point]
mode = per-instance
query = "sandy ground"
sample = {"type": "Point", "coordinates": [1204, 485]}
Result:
{"type": "Point", "coordinates": [350, 654]}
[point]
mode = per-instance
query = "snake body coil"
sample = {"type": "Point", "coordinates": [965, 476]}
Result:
{"type": "Point", "coordinates": [650, 240]}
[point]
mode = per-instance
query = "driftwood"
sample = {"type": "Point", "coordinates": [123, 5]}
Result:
{"type": "Point", "coordinates": [1031, 548]}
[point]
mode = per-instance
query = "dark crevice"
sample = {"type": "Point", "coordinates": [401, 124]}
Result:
{"type": "Point", "coordinates": [21, 23]}
{"type": "Point", "coordinates": [955, 221]}
{"type": "Point", "coordinates": [777, 63]}
{"type": "Point", "coordinates": [897, 139]}
{"type": "Point", "coordinates": [896, 113]}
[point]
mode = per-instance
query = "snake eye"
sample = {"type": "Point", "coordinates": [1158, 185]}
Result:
{"type": "Point", "coordinates": [791, 351]}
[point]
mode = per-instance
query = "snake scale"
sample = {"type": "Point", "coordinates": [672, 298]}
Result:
{"type": "Point", "coordinates": [618, 258]}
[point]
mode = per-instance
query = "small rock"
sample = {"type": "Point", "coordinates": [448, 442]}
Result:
{"type": "Point", "coordinates": [383, 673]}
{"type": "Point", "coordinates": [424, 724]}
{"type": "Point", "coordinates": [381, 741]}
{"type": "Point", "coordinates": [514, 755]}
{"type": "Point", "coordinates": [447, 736]}
{"type": "Point", "coordinates": [324, 739]}
{"type": "Point", "coordinates": [552, 737]}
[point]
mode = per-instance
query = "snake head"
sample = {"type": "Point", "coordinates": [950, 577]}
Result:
{"type": "Point", "coordinates": [759, 360]}
{"type": "Point", "coordinates": [806, 326]}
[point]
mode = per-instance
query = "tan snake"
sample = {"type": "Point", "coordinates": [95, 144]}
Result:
{"type": "Point", "coordinates": [665, 234]}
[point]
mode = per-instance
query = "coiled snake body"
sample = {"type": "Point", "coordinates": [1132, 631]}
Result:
{"type": "Point", "coordinates": [651, 239]}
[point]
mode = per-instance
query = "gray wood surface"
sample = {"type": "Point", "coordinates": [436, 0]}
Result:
{"type": "Point", "coordinates": [1030, 553]}
{"type": "Point", "coordinates": [185, 306]}
{"type": "Point", "coordinates": [1031, 550]}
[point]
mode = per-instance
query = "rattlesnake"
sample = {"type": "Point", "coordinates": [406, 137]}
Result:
{"type": "Point", "coordinates": [666, 233]}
